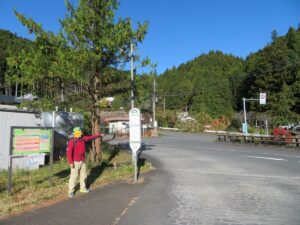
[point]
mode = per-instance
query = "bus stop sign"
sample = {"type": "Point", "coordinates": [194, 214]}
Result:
{"type": "Point", "coordinates": [135, 129]}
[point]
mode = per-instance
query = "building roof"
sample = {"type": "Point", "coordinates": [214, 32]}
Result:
{"type": "Point", "coordinates": [114, 118]}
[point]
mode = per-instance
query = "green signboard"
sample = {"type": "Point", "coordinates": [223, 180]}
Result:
{"type": "Point", "coordinates": [31, 140]}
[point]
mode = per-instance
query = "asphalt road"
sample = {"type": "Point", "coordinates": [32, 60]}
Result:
{"type": "Point", "coordinates": [196, 181]}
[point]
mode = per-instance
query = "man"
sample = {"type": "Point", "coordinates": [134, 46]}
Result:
{"type": "Point", "coordinates": [76, 159]}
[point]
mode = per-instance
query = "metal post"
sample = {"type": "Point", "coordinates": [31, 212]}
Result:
{"type": "Point", "coordinates": [51, 151]}
{"type": "Point", "coordinates": [9, 176]}
{"type": "Point", "coordinates": [135, 167]}
{"type": "Point", "coordinates": [132, 78]}
{"type": "Point", "coordinates": [153, 102]}
{"type": "Point", "coordinates": [10, 163]}
{"type": "Point", "coordinates": [245, 116]}
{"type": "Point", "coordinates": [51, 159]}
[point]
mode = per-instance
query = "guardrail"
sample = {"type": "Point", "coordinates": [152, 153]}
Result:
{"type": "Point", "coordinates": [261, 139]}
{"type": "Point", "coordinates": [169, 128]}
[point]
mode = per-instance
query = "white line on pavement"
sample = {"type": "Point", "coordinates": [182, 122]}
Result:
{"type": "Point", "coordinates": [224, 173]}
{"type": "Point", "coordinates": [208, 148]}
{"type": "Point", "coordinates": [257, 157]}
{"type": "Point", "coordinates": [284, 155]}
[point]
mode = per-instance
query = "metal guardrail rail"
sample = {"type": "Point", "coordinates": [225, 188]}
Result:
{"type": "Point", "coordinates": [261, 139]}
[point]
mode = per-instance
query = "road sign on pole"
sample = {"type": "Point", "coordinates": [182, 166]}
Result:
{"type": "Point", "coordinates": [262, 98]}
{"type": "Point", "coordinates": [135, 129]}
{"type": "Point", "coordinates": [135, 135]}
{"type": "Point", "coordinates": [262, 101]}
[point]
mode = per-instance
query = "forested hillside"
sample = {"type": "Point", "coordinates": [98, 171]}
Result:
{"type": "Point", "coordinates": [9, 43]}
{"type": "Point", "coordinates": [215, 83]}
{"type": "Point", "coordinates": [203, 84]}
{"type": "Point", "coordinates": [276, 70]}
{"type": "Point", "coordinates": [212, 84]}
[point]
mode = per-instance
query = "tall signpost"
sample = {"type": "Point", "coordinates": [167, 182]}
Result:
{"type": "Point", "coordinates": [262, 101]}
{"type": "Point", "coordinates": [135, 136]}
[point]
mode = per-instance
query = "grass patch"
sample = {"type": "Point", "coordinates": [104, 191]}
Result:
{"type": "Point", "coordinates": [32, 189]}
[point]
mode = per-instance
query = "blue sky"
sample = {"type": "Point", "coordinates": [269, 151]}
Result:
{"type": "Point", "coordinates": [179, 30]}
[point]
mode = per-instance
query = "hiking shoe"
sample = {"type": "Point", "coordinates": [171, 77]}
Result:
{"type": "Point", "coordinates": [84, 190]}
{"type": "Point", "coordinates": [71, 195]}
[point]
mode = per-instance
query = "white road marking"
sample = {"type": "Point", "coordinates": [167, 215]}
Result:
{"type": "Point", "coordinates": [257, 157]}
{"type": "Point", "coordinates": [220, 149]}
{"type": "Point", "coordinates": [232, 174]}
{"type": "Point", "coordinates": [247, 151]}
{"type": "Point", "coordinates": [284, 155]}
{"type": "Point", "coordinates": [208, 148]}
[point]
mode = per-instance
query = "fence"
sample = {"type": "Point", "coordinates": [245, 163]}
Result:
{"type": "Point", "coordinates": [261, 139]}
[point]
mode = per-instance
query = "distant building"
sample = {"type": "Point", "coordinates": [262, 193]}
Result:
{"type": "Point", "coordinates": [9, 100]}
{"type": "Point", "coordinates": [14, 117]}
{"type": "Point", "coordinates": [115, 122]}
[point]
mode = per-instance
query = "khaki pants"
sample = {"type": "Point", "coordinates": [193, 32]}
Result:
{"type": "Point", "coordinates": [79, 168]}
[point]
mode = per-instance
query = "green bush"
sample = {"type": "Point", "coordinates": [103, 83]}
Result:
{"type": "Point", "coordinates": [202, 118]}
{"type": "Point", "coordinates": [167, 119]}
{"type": "Point", "coordinates": [191, 126]}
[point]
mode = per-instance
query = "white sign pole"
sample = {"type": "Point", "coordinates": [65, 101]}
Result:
{"type": "Point", "coordinates": [262, 100]}
{"type": "Point", "coordinates": [135, 136]}
{"type": "Point", "coordinates": [245, 126]}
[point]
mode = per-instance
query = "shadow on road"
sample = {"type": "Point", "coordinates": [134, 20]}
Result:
{"type": "Point", "coordinates": [146, 147]}
{"type": "Point", "coordinates": [98, 170]}
{"type": "Point", "coordinates": [95, 173]}
{"type": "Point", "coordinates": [140, 163]}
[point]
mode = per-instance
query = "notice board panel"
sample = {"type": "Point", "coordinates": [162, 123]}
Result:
{"type": "Point", "coordinates": [26, 141]}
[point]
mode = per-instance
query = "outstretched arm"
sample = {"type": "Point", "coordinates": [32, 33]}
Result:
{"type": "Point", "coordinates": [89, 138]}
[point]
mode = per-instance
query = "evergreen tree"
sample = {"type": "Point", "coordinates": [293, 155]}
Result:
{"type": "Point", "coordinates": [274, 70]}
{"type": "Point", "coordinates": [91, 42]}
{"type": "Point", "coordinates": [274, 35]}
{"type": "Point", "coordinates": [9, 43]}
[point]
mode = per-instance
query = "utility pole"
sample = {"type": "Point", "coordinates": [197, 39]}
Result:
{"type": "Point", "coordinates": [131, 73]}
{"type": "Point", "coordinates": [153, 102]}
{"type": "Point", "coordinates": [164, 106]}
{"type": "Point", "coordinates": [132, 78]}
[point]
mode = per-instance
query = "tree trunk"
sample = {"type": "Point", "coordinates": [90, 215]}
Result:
{"type": "Point", "coordinates": [96, 154]}
{"type": "Point", "coordinates": [16, 90]}
{"type": "Point", "coordinates": [21, 89]}
{"type": "Point", "coordinates": [62, 93]}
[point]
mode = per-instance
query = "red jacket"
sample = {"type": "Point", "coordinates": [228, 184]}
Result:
{"type": "Point", "coordinates": [77, 153]}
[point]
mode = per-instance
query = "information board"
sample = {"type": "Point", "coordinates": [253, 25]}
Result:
{"type": "Point", "coordinates": [31, 141]}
